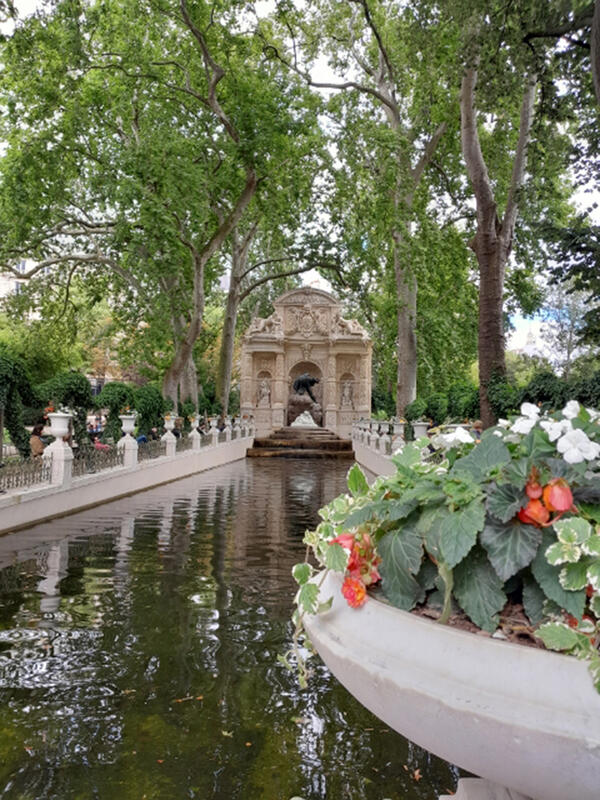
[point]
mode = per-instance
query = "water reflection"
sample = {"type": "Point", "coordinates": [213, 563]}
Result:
{"type": "Point", "coordinates": [138, 654]}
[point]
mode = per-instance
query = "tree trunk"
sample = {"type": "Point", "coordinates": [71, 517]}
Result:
{"type": "Point", "coordinates": [227, 343]}
{"type": "Point", "coordinates": [188, 383]}
{"type": "Point", "coordinates": [493, 240]}
{"type": "Point", "coordinates": [406, 288]}
{"type": "Point", "coordinates": [492, 359]}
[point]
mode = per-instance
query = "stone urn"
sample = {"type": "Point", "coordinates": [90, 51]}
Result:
{"type": "Point", "coordinates": [128, 423]}
{"type": "Point", "coordinates": [521, 717]}
{"type": "Point", "coordinates": [59, 424]}
{"type": "Point", "coordinates": [169, 423]}
{"type": "Point", "coordinates": [420, 428]}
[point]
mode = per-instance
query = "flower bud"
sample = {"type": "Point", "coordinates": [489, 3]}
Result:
{"type": "Point", "coordinates": [557, 495]}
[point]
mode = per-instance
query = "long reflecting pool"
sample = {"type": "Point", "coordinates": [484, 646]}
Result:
{"type": "Point", "coordinates": [138, 654]}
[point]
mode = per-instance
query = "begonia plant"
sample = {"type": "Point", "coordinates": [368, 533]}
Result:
{"type": "Point", "coordinates": [469, 526]}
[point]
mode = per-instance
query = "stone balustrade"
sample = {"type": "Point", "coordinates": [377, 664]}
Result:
{"type": "Point", "coordinates": [129, 467]}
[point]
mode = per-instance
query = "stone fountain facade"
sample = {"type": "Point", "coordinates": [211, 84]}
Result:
{"type": "Point", "coordinates": [306, 334]}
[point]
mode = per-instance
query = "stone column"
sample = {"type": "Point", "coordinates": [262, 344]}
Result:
{"type": "Point", "coordinates": [279, 387]}
{"type": "Point", "coordinates": [330, 393]}
{"type": "Point", "coordinates": [246, 398]}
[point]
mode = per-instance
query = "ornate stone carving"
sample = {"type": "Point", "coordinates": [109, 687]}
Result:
{"type": "Point", "coordinates": [270, 325]}
{"type": "Point", "coordinates": [264, 393]}
{"type": "Point", "coordinates": [347, 327]}
{"type": "Point", "coordinates": [306, 351]}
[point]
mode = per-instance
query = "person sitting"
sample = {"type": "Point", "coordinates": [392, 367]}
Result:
{"type": "Point", "coordinates": [98, 445]}
{"type": "Point", "coordinates": [36, 445]}
{"type": "Point", "coordinates": [477, 430]}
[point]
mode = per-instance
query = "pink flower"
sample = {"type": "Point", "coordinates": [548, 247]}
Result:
{"type": "Point", "coordinates": [346, 540]}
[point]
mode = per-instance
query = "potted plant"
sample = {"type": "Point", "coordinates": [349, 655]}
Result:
{"type": "Point", "coordinates": [479, 530]}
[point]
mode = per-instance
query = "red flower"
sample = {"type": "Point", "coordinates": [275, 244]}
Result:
{"type": "Point", "coordinates": [355, 592]}
{"type": "Point", "coordinates": [557, 495]}
{"type": "Point", "coordinates": [534, 513]}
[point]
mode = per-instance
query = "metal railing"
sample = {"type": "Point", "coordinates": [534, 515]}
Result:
{"type": "Point", "coordinates": [154, 448]}
{"type": "Point", "coordinates": [97, 461]}
{"type": "Point", "coordinates": [22, 474]}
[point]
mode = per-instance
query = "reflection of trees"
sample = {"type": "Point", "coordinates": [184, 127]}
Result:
{"type": "Point", "coordinates": [190, 598]}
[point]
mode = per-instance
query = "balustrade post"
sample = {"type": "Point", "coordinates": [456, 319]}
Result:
{"type": "Point", "coordinates": [59, 454]}
{"type": "Point", "coordinates": [168, 437]}
{"type": "Point", "coordinates": [127, 443]}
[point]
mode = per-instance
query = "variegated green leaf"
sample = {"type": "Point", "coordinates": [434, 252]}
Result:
{"type": "Point", "coordinates": [558, 636]}
{"type": "Point", "coordinates": [595, 604]}
{"type": "Point", "coordinates": [593, 574]}
{"type": "Point", "coordinates": [301, 573]}
{"type": "Point", "coordinates": [336, 557]}
{"type": "Point", "coordinates": [573, 530]}
{"type": "Point", "coordinates": [591, 546]}
{"type": "Point", "coordinates": [561, 553]}
{"type": "Point", "coordinates": [357, 483]}
{"type": "Point", "coordinates": [308, 597]}
{"type": "Point", "coordinates": [574, 576]}
{"type": "Point", "coordinates": [547, 577]}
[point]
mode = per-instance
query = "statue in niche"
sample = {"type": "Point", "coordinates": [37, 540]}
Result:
{"type": "Point", "coordinates": [347, 327]}
{"type": "Point", "coordinates": [264, 393]}
{"type": "Point", "coordinates": [304, 383]}
{"type": "Point", "coordinates": [303, 400]}
{"type": "Point", "coordinates": [347, 392]}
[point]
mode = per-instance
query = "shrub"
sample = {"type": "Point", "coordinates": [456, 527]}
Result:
{"type": "Point", "coordinates": [116, 397]}
{"type": "Point", "coordinates": [15, 388]}
{"type": "Point", "coordinates": [150, 406]}
{"type": "Point", "coordinates": [545, 388]}
{"type": "Point", "coordinates": [463, 401]}
{"type": "Point", "coordinates": [437, 408]}
{"type": "Point", "coordinates": [72, 390]}
{"type": "Point", "coordinates": [503, 396]}
{"type": "Point", "coordinates": [415, 410]}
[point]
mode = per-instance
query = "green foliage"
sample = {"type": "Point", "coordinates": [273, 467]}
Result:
{"type": "Point", "coordinates": [463, 401]}
{"type": "Point", "coordinates": [116, 397]}
{"type": "Point", "coordinates": [150, 406]}
{"type": "Point", "coordinates": [437, 408]}
{"type": "Point", "coordinates": [503, 396]}
{"type": "Point", "coordinates": [464, 509]}
{"type": "Point", "coordinates": [186, 410]}
{"type": "Point", "coordinates": [415, 410]}
{"type": "Point", "coordinates": [545, 388]}
{"type": "Point", "coordinates": [15, 387]}
{"type": "Point", "coordinates": [72, 390]}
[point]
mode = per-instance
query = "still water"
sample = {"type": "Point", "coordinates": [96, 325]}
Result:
{"type": "Point", "coordinates": [138, 654]}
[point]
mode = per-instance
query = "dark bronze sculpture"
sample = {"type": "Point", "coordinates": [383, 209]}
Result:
{"type": "Point", "coordinates": [304, 383]}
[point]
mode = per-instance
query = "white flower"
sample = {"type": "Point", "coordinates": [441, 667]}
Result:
{"type": "Point", "coordinates": [556, 429]}
{"type": "Point", "coordinates": [575, 447]}
{"type": "Point", "coordinates": [503, 423]}
{"type": "Point", "coordinates": [530, 411]}
{"type": "Point", "coordinates": [571, 410]}
{"type": "Point", "coordinates": [594, 415]}
{"type": "Point", "coordinates": [457, 436]}
{"type": "Point", "coordinates": [523, 424]}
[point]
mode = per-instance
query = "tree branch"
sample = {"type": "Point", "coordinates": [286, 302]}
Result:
{"type": "Point", "coordinates": [476, 166]}
{"type": "Point", "coordinates": [519, 164]}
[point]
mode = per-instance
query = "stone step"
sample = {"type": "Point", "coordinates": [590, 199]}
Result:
{"type": "Point", "coordinates": [325, 444]}
{"type": "Point", "coordinates": [298, 452]}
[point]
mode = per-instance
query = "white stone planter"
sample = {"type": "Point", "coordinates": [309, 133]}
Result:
{"type": "Point", "coordinates": [521, 717]}
{"type": "Point", "coordinates": [59, 424]}
{"type": "Point", "coordinates": [169, 423]}
{"type": "Point", "coordinates": [127, 423]}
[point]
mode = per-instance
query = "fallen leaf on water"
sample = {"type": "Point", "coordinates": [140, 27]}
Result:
{"type": "Point", "coordinates": [248, 744]}
{"type": "Point", "coordinates": [160, 761]}
{"type": "Point", "coordinates": [228, 733]}
{"type": "Point", "coordinates": [183, 699]}
{"type": "Point", "coordinates": [405, 767]}
{"type": "Point", "coordinates": [417, 775]}
{"type": "Point", "coordinates": [200, 697]}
